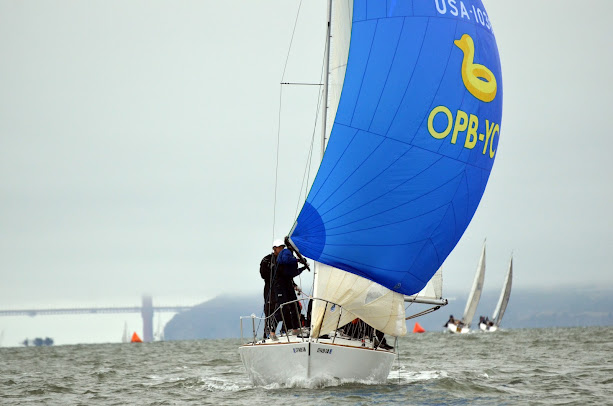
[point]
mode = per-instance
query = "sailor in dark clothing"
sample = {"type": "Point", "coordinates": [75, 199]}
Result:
{"type": "Point", "coordinates": [266, 269]}
{"type": "Point", "coordinates": [286, 268]}
{"type": "Point", "coordinates": [452, 320]}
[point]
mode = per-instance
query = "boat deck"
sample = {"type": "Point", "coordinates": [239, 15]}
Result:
{"type": "Point", "coordinates": [339, 340]}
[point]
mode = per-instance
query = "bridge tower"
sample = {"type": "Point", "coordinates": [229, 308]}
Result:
{"type": "Point", "coordinates": [147, 314]}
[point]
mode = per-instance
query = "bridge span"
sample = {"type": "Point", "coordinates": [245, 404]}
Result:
{"type": "Point", "coordinates": [146, 310]}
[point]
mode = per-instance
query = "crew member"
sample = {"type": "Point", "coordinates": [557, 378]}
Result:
{"type": "Point", "coordinates": [286, 268]}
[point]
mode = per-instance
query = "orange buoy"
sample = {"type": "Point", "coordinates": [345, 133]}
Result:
{"type": "Point", "coordinates": [136, 338]}
{"type": "Point", "coordinates": [418, 329]}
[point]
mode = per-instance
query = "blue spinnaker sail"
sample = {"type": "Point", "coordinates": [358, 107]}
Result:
{"type": "Point", "coordinates": [412, 145]}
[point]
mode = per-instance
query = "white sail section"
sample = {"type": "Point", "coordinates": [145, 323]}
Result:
{"type": "Point", "coordinates": [342, 14]}
{"type": "Point", "coordinates": [475, 292]}
{"type": "Point", "coordinates": [504, 296]}
{"type": "Point", "coordinates": [434, 287]}
{"type": "Point", "coordinates": [361, 298]}
{"type": "Point", "coordinates": [432, 293]}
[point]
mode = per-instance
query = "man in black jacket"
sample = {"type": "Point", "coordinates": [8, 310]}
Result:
{"type": "Point", "coordinates": [267, 266]}
{"type": "Point", "coordinates": [283, 286]}
{"type": "Point", "coordinates": [278, 271]}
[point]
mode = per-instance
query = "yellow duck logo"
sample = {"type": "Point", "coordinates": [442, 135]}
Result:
{"type": "Point", "coordinates": [479, 80]}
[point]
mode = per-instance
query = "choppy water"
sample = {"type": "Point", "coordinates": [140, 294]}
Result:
{"type": "Point", "coordinates": [532, 366]}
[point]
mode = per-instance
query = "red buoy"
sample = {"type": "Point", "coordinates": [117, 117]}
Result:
{"type": "Point", "coordinates": [418, 329]}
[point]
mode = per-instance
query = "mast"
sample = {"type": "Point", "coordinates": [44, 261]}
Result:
{"type": "Point", "coordinates": [326, 74]}
{"type": "Point", "coordinates": [323, 122]}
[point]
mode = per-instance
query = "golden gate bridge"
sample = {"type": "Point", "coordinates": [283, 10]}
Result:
{"type": "Point", "coordinates": [146, 310]}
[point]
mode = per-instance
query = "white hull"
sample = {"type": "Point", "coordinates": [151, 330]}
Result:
{"type": "Point", "coordinates": [485, 327]}
{"type": "Point", "coordinates": [457, 330]}
{"type": "Point", "coordinates": [306, 360]}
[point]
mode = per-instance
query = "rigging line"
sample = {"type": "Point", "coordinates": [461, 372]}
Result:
{"type": "Point", "coordinates": [291, 41]}
{"type": "Point", "coordinates": [306, 170]}
{"type": "Point", "coordinates": [274, 206]}
{"type": "Point", "coordinates": [274, 209]}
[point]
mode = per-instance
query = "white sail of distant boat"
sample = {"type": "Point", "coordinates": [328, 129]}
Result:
{"type": "Point", "coordinates": [501, 306]}
{"type": "Point", "coordinates": [463, 326]}
{"type": "Point", "coordinates": [395, 190]}
{"type": "Point", "coordinates": [125, 338]}
{"type": "Point", "coordinates": [159, 331]}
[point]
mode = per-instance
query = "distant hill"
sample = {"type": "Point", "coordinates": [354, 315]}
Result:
{"type": "Point", "coordinates": [216, 318]}
{"type": "Point", "coordinates": [562, 307]}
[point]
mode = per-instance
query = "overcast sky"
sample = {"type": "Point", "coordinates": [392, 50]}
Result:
{"type": "Point", "coordinates": [138, 139]}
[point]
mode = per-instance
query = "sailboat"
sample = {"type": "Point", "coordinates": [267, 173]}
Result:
{"type": "Point", "coordinates": [501, 306]}
{"type": "Point", "coordinates": [159, 331]}
{"type": "Point", "coordinates": [463, 326]}
{"type": "Point", "coordinates": [414, 93]}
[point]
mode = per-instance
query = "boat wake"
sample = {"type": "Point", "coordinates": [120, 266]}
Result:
{"type": "Point", "coordinates": [405, 376]}
{"type": "Point", "coordinates": [408, 376]}
{"type": "Point", "coordinates": [219, 385]}
{"type": "Point", "coordinates": [318, 383]}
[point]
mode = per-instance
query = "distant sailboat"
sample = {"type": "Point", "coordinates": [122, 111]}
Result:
{"type": "Point", "coordinates": [414, 92]}
{"type": "Point", "coordinates": [463, 325]}
{"type": "Point", "coordinates": [125, 338]}
{"type": "Point", "coordinates": [159, 332]}
{"type": "Point", "coordinates": [505, 294]}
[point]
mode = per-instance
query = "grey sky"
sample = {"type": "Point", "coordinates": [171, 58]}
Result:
{"type": "Point", "coordinates": [137, 147]}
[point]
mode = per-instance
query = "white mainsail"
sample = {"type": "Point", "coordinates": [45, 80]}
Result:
{"type": "Point", "coordinates": [340, 36]}
{"type": "Point", "coordinates": [504, 296]}
{"type": "Point", "coordinates": [475, 292]}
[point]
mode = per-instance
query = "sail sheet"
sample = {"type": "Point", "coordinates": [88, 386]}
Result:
{"type": "Point", "coordinates": [413, 140]}
{"type": "Point", "coordinates": [475, 292]}
{"type": "Point", "coordinates": [504, 296]}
